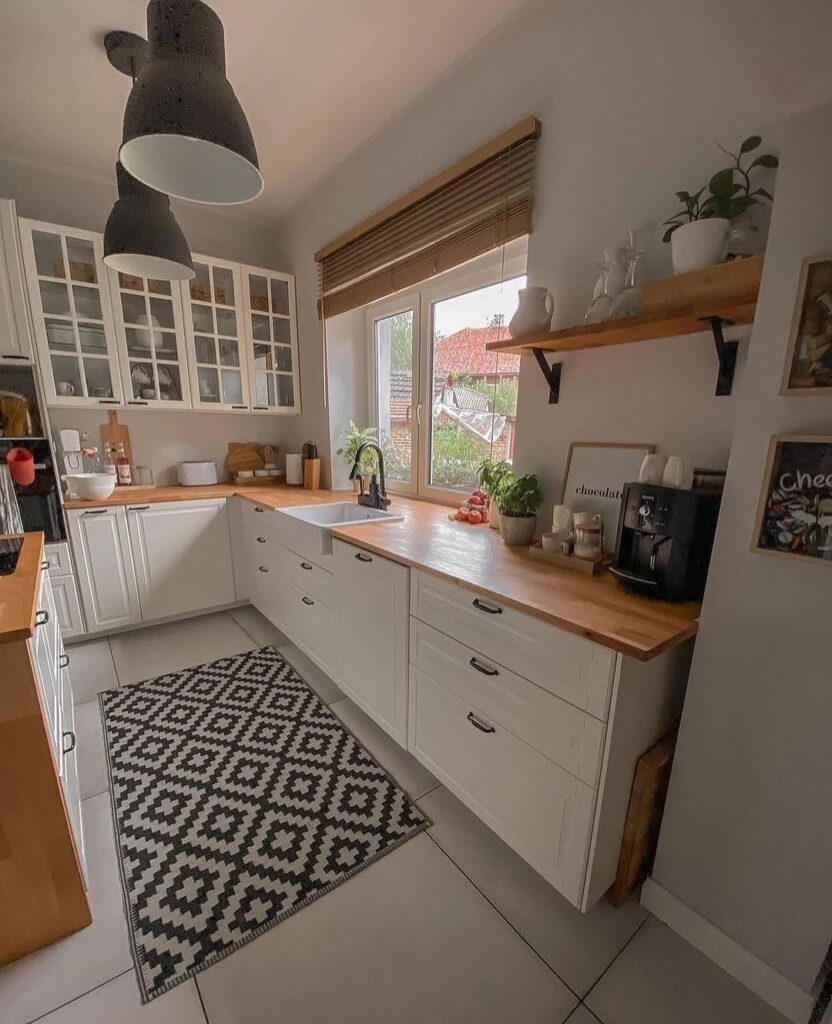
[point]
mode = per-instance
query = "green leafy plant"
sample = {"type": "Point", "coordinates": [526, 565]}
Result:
{"type": "Point", "coordinates": [729, 192]}
{"type": "Point", "coordinates": [354, 437]}
{"type": "Point", "coordinates": [492, 475]}
{"type": "Point", "coordinates": [520, 497]}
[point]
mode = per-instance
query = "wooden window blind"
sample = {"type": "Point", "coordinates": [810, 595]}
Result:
{"type": "Point", "coordinates": [474, 206]}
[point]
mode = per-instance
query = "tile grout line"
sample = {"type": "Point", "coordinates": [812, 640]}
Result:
{"type": "Point", "coordinates": [201, 1000]}
{"type": "Point", "coordinates": [81, 995]}
{"type": "Point", "coordinates": [500, 914]}
{"type": "Point", "coordinates": [609, 965]}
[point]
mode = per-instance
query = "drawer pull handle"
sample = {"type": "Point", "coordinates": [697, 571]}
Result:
{"type": "Point", "coordinates": [307, 600]}
{"type": "Point", "coordinates": [41, 618]}
{"type": "Point", "coordinates": [483, 607]}
{"type": "Point", "coordinates": [71, 737]}
{"type": "Point", "coordinates": [44, 564]}
{"type": "Point", "coordinates": [472, 718]}
{"type": "Point", "coordinates": [96, 512]}
{"type": "Point", "coordinates": [64, 660]}
{"type": "Point", "coordinates": [482, 668]}
{"type": "Point", "coordinates": [139, 508]}
{"type": "Point", "coordinates": [306, 565]}
{"type": "Point", "coordinates": [262, 568]}
{"type": "Point", "coordinates": [363, 558]}
{"type": "Point", "coordinates": [261, 540]}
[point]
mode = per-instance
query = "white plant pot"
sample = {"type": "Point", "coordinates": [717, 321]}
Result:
{"type": "Point", "coordinates": [518, 530]}
{"type": "Point", "coordinates": [698, 244]}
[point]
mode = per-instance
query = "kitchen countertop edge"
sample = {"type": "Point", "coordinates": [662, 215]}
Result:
{"type": "Point", "coordinates": [19, 591]}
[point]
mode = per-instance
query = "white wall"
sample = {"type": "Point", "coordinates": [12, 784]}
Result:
{"type": "Point", "coordinates": [633, 97]}
{"type": "Point", "coordinates": [747, 834]}
{"type": "Point", "coordinates": [347, 355]}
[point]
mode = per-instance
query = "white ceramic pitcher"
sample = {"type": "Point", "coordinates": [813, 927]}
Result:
{"type": "Point", "coordinates": [534, 312]}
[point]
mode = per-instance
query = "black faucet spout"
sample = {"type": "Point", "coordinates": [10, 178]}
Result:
{"type": "Point", "coordinates": [377, 496]}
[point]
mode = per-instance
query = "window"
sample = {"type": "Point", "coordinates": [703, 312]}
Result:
{"type": "Point", "coordinates": [441, 401]}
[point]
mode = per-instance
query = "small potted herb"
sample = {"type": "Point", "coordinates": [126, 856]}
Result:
{"type": "Point", "coordinates": [354, 437]}
{"type": "Point", "coordinates": [697, 233]}
{"type": "Point", "coordinates": [491, 476]}
{"type": "Point", "coordinates": [518, 500]}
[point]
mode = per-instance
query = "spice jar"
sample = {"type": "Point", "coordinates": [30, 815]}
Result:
{"type": "Point", "coordinates": [589, 539]}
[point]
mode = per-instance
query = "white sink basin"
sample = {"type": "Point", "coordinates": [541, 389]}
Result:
{"type": "Point", "coordinates": [312, 523]}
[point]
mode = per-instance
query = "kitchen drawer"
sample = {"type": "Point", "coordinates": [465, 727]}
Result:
{"type": "Point", "coordinates": [568, 666]}
{"type": "Point", "coordinates": [311, 625]}
{"type": "Point", "coordinates": [310, 577]}
{"type": "Point", "coordinates": [540, 810]}
{"type": "Point", "coordinates": [58, 559]}
{"type": "Point", "coordinates": [259, 521]}
{"type": "Point", "coordinates": [563, 733]}
{"type": "Point", "coordinates": [267, 577]}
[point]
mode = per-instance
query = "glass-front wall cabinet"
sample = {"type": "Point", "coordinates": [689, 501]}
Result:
{"type": "Point", "coordinates": [70, 300]}
{"type": "Point", "coordinates": [216, 338]}
{"type": "Point", "coordinates": [271, 326]}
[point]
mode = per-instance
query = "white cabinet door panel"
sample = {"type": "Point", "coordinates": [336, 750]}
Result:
{"type": "Point", "coordinates": [67, 606]}
{"type": "Point", "coordinates": [105, 567]}
{"type": "Point", "coordinates": [15, 336]}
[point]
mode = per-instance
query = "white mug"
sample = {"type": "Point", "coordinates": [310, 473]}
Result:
{"type": "Point", "coordinates": [652, 468]}
{"type": "Point", "coordinates": [63, 387]}
{"type": "Point", "coordinates": [678, 473]}
{"type": "Point", "coordinates": [561, 518]}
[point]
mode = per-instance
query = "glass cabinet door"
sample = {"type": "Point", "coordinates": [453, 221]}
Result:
{"type": "Point", "coordinates": [68, 290]}
{"type": "Point", "coordinates": [272, 337]}
{"type": "Point", "coordinates": [150, 327]}
{"type": "Point", "coordinates": [216, 347]}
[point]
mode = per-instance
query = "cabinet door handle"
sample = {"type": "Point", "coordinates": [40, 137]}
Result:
{"type": "Point", "coordinates": [477, 724]}
{"type": "Point", "coordinates": [44, 564]}
{"type": "Point", "coordinates": [41, 617]}
{"type": "Point", "coordinates": [362, 557]}
{"type": "Point", "coordinates": [139, 508]}
{"type": "Point", "coordinates": [307, 600]}
{"type": "Point", "coordinates": [108, 401]}
{"type": "Point", "coordinates": [64, 660]}
{"type": "Point", "coordinates": [260, 408]}
{"type": "Point", "coordinates": [69, 735]}
{"type": "Point", "coordinates": [486, 671]}
{"type": "Point", "coordinates": [261, 540]}
{"type": "Point", "coordinates": [96, 512]}
{"type": "Point", "coordinates": [133, 401]}
{"type": "Point", "coordinates": [307, 566]}
{"type": "Point", "coordinates": [262, 568]}
{"type": "Point", "coordinates": [25, 358]}
{"type": "Point", "coordinates": [484, 607]}
{"type": "Point", "coordinates": [239, 407]}
{"type": "Point", "coordinates": [259, 508]}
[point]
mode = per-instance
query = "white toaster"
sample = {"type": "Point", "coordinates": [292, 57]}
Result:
{"type": "Point", "coordinates": [192, 474]}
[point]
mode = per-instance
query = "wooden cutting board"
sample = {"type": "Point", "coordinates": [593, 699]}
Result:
{"type": "Point", "coordinates": [114, 433]}
{"type": "Point", "coordinates": [244, 455]}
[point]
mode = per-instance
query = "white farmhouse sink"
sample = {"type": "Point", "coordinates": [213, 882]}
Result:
{"type": "Point", "coordinates": [312, 523]}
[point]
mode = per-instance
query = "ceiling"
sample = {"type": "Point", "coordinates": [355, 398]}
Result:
{"type": "Point", "coordinates": [317, 78]}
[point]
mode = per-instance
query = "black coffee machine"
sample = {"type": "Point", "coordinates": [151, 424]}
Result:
{"type": "Point", "coordinates": [664, 541]}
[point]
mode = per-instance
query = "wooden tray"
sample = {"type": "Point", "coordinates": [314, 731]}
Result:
{"type": "Point", "coordinates": [257, 481]}
{"type": "Point", "coordinates": [570, 561]}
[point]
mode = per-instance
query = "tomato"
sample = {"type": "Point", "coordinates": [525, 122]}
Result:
{"type": "Point", "coordinates": [462, 514]}
{"type": "Point", "coordinates": [474, 516]}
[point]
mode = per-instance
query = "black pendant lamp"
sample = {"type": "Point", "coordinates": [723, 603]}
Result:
{"type": "Point", "coordinates": [185, 132]}
{"type": "Point", "coordinates": [142, 236]}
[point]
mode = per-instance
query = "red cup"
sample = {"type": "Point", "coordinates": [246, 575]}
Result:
{"type": "Point", "coordinates": [21, 465]}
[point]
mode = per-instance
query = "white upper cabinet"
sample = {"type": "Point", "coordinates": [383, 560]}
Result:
{"type": "Point", "coordinates": [150, 331]}
{"type": "Point", "coordinates": [215, 323]}
{"type": "Point", "coordinates": [73, 320]}
{"type": "Point", "coordinates": [15, 338]}
{"type": "Point", "coordinates": [271, 330]}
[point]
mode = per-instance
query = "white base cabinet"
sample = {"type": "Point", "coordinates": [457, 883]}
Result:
{"type": "Point", "coordinates": [101, 543]}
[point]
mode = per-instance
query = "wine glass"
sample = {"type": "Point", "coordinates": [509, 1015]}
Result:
{"type": "Point", "coordinates": [628, 301]}
{"type": "Point", "coordinates": [601, 306]}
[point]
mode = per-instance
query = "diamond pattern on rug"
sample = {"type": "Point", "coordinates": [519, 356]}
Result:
{"type": "Point", "coordinates": [238, 798]}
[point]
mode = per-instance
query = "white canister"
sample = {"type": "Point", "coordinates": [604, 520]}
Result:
{"type": "Point", "coordinates": [652, 469]}
{"type": "Point", "coordinates": [678, 473]}
{"type": "Point", "coordinates": [294, 470]}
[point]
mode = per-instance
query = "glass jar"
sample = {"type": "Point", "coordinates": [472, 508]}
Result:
{"type": "Point", "coordinates": [589, 540]}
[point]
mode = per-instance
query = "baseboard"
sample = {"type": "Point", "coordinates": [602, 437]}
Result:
{"type": "Point", "coordinates": [774, 988]}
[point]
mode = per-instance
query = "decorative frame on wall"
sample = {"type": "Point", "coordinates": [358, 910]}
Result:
{"type": "Point", "coordinates": [794, 514]}
{"type": "Point", "coordinates": [594, 479]}
{"type": "Point", "coordinates": [808, 369]}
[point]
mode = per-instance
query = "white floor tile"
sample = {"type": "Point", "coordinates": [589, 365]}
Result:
{"type": "Point", "coordinates": [91, 670]}
{"type": "Point", "coordinates": [660, 978]}
{"type": "Point", "coordinates": [89, 743]}
{"type": "Point", "coordinates": [310, 673]}
{"type": "Point", "coordinates": [258, 627]}
{"type": "Point", "coordinates": [47, 979]}
{"type": "Point", "coordinates": [412, 776]}
{"type": "Point", "coordinates": [157, 650]}
{"type": "Point", "coordinates": [407, 941]}
{"type": "Point", "coordinates": [578, 946]}
{"type": "Point", "coordinates": [117, 1002]}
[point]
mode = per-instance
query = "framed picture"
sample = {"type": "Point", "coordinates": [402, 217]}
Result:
{"type": "Point", "coordinates": [595, 476]}
{"type": "Point", "coordinates": [809, 360]}
{"type": "Point", "coordinates": [794, 517]}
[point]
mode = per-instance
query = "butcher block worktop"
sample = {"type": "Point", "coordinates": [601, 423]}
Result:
{"type": "Point", "coordinates": [19, 591]}
{"type": "Point", "coordinates": [595, 607]}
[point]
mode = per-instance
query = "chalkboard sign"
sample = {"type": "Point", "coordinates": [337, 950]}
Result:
{"type": "Point", "coordinates": [795, 513]}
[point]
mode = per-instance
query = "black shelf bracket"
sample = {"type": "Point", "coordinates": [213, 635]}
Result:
{"type": "Point", "coordinates": [552, 375]}
{"type": "Point", "coordinates": [726, 353]}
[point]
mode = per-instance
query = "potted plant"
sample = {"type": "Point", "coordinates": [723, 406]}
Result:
{"type": "Point", "coordinates": [697, 233]}
{"type": "Point", "coordinates": [518, 500]}
{"type": "Point", "coordinates": [490, 476]}
{"type": "Point", "coordinates": [354, 437]}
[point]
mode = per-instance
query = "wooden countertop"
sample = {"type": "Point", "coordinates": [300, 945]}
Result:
{"type": "Point", "coordinates": [19, 591]}
{"type": "Point", "coordinates": [598, 608]}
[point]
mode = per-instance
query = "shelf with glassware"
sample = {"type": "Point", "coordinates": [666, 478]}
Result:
{"type": "Point", "coordinates": [686, 304]}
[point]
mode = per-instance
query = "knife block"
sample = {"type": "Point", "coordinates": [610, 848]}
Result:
{"type": "Point", "coordinates": [311, 474]}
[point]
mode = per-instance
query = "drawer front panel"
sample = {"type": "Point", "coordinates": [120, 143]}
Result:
{"type": "Point", "coordinates": [311, 624]}
{"type": "Point", "coordinates": [541, 811]}
{"type": "Point", "coordinates": [310, 577]}
{"type": "Point", "coordinates": [57, 557]}
{"type": "Point", "coordinates": [568, 666]}
{"type": "Point", "coordinates": [568, 736]}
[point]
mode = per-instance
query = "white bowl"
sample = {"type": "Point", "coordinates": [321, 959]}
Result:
{"type": "Point", "coordinates": [92, 486]}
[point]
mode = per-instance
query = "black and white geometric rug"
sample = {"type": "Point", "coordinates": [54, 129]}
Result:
{"type": "Point", "coordinates": [238, 798]}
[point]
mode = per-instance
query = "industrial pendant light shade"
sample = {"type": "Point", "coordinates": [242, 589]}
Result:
{"type": "Point", "coordinates": [185, 132]}
{"type": "Point", "coordinates": [142, 236]}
